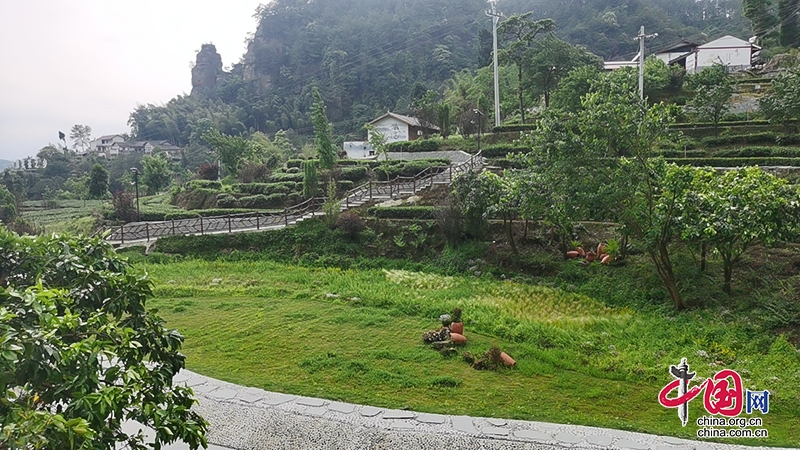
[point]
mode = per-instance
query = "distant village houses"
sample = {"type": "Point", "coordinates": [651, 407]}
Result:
{"type": "Point", "coordinates": [732, 52]}
{"type": "Point", "coordinates": [113, 145]}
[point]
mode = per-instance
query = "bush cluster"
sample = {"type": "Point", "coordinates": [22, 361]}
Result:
{"type": "Point", "coordinates": [758, 152]}
{"type": "Point", "coordinates": [280, 177]}
{"type": "Point", "coordinates": [409, 168]}
{"type": "Point", "coordinates": [765, 138]}
{"type": "Point", "coordinates": [736, 162]}
{"type": "Point", "coordinates": [203, 184]}
{"type": "Point", "coordinates": [353, 174]}
{"type": "Point", "coordinates": [265, 188]}
{"type": "Point", "coordinates": [514, 127]}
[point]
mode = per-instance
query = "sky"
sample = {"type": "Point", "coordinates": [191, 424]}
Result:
{"type": "Point", "coordinates": [90, 62]}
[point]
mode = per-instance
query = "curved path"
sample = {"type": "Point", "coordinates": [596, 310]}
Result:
{"type": "Point", "coordinates": [243, 418]}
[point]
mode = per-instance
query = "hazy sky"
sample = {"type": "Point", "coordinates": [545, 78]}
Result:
{"type": "Point", "coordinates": [90, 62]}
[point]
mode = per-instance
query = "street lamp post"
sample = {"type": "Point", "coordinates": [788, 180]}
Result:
{"type": "Point", "coordinates": [135, 173]}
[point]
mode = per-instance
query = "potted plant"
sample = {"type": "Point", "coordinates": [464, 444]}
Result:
{"type": "Point", "coordinates": [456, 326]}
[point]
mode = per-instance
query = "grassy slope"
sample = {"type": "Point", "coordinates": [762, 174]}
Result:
{"type": "Point", "coordinates": [274, 326]}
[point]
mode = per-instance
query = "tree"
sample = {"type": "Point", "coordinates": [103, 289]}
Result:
{"type": "Point", "coordinates": [758, 12]}
{"type": "Point", "coordinates": [782, 103]}
{"type": "Point", "coordinates": [552, 60]}
{"type": "Point", "coordinates": [789, 17]}
{"type": "Point", "coordinates": [322, 132]}
{"type": "Point", "coordinates": [444, 119]}
{"type": "Point", "coordinates": [8, 206]}
{"type": "Point", "coordinates": [156, 174]}
{"type": "Point", "coordinates": [735, 209]}
{"type": "Point", "coordinates": [599, 160]}
{"type": "Point", "coordinates": [426, 109]}
{"type": "Point", "coordinates": [712, 89]}
{"type": "Point", "coordinates": [82, 352]}
{"type": "Point", "coordinates": [78, 187]}
{"type": "Point", "coordinates": [378, 141]}
{"type": "Point", "coordinates": [81, 136]}
{"type": "Point", "coordinates": [310, 179]}
{"type": "Point", "coordinates": [98, 182]}
{"type": "Point", "coordinates": [232, 151]}
{"type": "Point", "coordinates": [519, 31]}
{"type": "Point", "coordinates": [567, 96]}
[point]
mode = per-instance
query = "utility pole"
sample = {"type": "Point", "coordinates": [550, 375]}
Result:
{"type": "Point", "coordinates": [641, 37]}
{"type": "Point", "coordinates": [495, 20]}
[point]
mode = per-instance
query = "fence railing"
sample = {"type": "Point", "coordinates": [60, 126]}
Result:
{"type": "Point", "coordinates": [229, 223]}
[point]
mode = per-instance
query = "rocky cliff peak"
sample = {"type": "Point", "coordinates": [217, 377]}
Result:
{"type": "Point", "coordinates": [207, 69]}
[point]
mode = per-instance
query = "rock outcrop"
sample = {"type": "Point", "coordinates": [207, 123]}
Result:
{"type": "Point", "coordinates": [207, 71]}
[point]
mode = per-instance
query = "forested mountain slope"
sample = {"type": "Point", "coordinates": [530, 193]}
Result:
{"type": "Point", "coordinates": [370, 56]}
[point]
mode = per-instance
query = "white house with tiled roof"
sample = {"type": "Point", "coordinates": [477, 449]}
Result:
{"type": "Point", "coordinates": [108, 144]}
{"type": "Point", "coordinates": [730, 51]}
{"type": "Point", "coordinates": [396, 128]}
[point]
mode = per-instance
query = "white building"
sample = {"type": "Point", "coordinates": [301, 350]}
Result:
{"type": "Point", "coordinates": [732, 52]}
{"type": "Point", "coordinates": [677, 53]}
{"type": "Point", "coordinates": [396, 128]}
{"type": "Point", "coordinates": [108, 144]}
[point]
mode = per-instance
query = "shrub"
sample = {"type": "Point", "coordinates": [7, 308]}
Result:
{"type": "Point", "coordinates": [181, 215]}
{"type": "Point", "coordinates": [354, 173]}
{"type": "Point", "coordinates": [402, 212]}
{"type": "Point", "coordinates": [345, 185]}
{"type": "Point", "coordinates": [420, 145]}
{"type": "Point", "coordinates": [350, 223]}
{"type": "Point", "coordinates": [450, 220]}
{"type": "Point", "coordinates": [208, 171]}
{"type": "Point", "coordinates": [264, 188]}
{"type": "Point", "coordinates": [251, 172]}
{"type": "Point", "coordinates": [227, 201]}
{"type": "Point", "coordinates": [751, 152]}
{"type": "Point", "coordinates": [681, 153]}
{"type": "Point", "coordinates": [765, 138]}
{"type": "Point", "coordinates": [124, 208]}
{"type": "Point", "coordinates": [736, 162]}
{"type": "Point", "coordinates": [295, 163]}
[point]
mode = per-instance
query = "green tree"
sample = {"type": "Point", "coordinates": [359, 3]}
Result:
{"type": "Point", "coordinates": [78, 187]}
{"type": "Point", "coordinates": [81, 136]}
{"type": "Point", "coordinates": [8, 206]}
{"type": "Point", "coordinates": [156, 173]}
{"type": "Point", "coordinates": [98, 182]}
{"type": "Point", "coordinates": [82, 352]}
{"type": "Point", "coordinates": [567, 96]}
{"type": "Point", "coordinates": [712, 90]}
{"type": "Point", "coordinates": [782, 103]}
{"type": "Point", "coordinates": [600, 162]}
{"type": "Point", "coordinates": [232, 151]}
{"type": "Point", "coordinates": [426, 109]}
{"type": "Point", "coordinates": [552, 60]}
{"type": "Point", "coordinates": [789, 17]}
{"type": "Point", "coordinates": [759, 13]}
{"type": "Point", "coordinates": [519, 31]}
{"type": "Point", "coordinates": [444, 119]}
{"type": "Point", "coordinates": [733, 210]}
{"type": "Point", "coordinates": [310, 179]}
{"type": "Point", "coordinates": [322, 132]}
{"type": "Point", "coordinates": [379, 142]}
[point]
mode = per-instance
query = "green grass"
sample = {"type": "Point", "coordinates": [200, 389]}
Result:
{"type": "Point", "coordinates": [355, 336]}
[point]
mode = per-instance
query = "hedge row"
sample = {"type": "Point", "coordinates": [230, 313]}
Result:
{"type": "Point", "coordinates": [514, 127]}
{"type": "Point", "coordinates": [765, 138]}
{"type": "Point", "coordinates": [203, 184]}
{"type": "Point", "coordinates": [279, 177]}
{"type": "Point", "coordinates": [420, 145]}
{"type": "Point", "coordinates": [758, 152]}
{"type": "Point", "coordinates": [265, 188]}
{"type": "Point", "coordinates": [402, 212]}
{"type": "Point", "coordinates": [501, 150]}
{"type": "Point", "coordinates": [409, 168]}
{"type": "Point", "coordinates": [737, 123]}
{"type": "Point", "coordinates": [353, 173]}
{"type": "Point", "coordinates": [682, 153]}
{"type": "Point", "coordinates": [736, 162]}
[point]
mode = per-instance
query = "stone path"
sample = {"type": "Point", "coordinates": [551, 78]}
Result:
{"type": "Point", "coordinates": [244, 418]}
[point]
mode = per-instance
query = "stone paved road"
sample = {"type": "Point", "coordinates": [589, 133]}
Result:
{"type": "Point", "coordinates": [245, 418]}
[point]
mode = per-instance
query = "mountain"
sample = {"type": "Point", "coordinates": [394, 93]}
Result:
{"type": "Point", "coordinates": [367, 57]}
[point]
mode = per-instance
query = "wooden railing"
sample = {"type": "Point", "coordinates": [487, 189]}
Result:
{"type": "Point", "coordinates": [371, 190]}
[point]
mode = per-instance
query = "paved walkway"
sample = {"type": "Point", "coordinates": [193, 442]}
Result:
{"type": "Point", "coordinates": [243, 418]}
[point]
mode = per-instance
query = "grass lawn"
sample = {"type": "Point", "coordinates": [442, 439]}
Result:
{"type": "Point", "coordinates": [355, 336]}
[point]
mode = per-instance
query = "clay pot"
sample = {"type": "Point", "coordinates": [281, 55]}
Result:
{"type": "Point", "coordinates": [509, 361]}
{"type": "Point", "coordinates": [591, 256]}
{"type": "Point", "coordinates": [573, 254]}
{"type": "Point", "coordinates": [457, 327]}
{"type": "Point", "coordinates": [581, 252]}
{"type": "Point", "coordinates": [601, 248]}
{"type": "Point", "coordinates": [458, 338]}
{"type": "Point", "coordinates": [606, 259]}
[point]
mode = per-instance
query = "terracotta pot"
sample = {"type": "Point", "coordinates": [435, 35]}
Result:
{"type": "Point", "coordinates": [509, 361]}
{"type": "Point", "coordinates": [573, 254]}
{"type": "Point", "coordinates": [581, 252]}
{"type": "Point", "coordinates": [458, 338]}
{"type": "Point", "coordinates": [601, 248]}
{"type": "Point", "coordinates": [457, 327]}
{"type": "Point", "coordinates": [606, 259]}
{"type": "Point", "coordinates": [591, 256]}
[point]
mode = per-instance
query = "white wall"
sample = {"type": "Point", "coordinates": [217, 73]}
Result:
{"type": "Point", "coordinates": [358, 150]}
{"type": "Point", "coordinates": [393, 129]}
{"type": "Point", "coordinates": [729, 51]}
